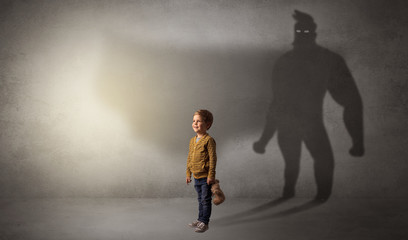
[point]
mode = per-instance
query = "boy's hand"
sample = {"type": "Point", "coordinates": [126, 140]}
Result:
{"type": "Point", "coordinates": [188, 180]}
{"type": "Point", "coordinates": [210, 181]}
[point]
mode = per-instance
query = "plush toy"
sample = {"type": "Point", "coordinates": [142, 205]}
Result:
{"type": "Point", "coordinates": [218, 195]}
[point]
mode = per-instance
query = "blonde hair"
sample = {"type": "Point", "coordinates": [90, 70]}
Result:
{"type": "Point", "coordinates": [206, 115]}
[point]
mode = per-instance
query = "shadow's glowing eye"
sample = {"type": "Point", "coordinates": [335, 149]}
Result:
{"type": "Point", "coordinates": [306, 31]}
{"type": "Point", "coordinates": [298, 31]}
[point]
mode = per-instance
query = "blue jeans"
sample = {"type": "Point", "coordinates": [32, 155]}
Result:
{"type": "Point", "coordinates": [204, 199]}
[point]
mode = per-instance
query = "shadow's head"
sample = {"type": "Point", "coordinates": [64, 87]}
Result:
{"type": "Point", "coordinates": [305, 29]}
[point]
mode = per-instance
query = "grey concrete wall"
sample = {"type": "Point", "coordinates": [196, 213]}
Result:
{"type": "Point", "coordinates": [97, 97]}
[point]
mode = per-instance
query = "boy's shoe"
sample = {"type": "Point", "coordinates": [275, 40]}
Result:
{"type": "Point", "coordinates": [201, 227]}
{"type": "Point", "coordinates": [194, 224]}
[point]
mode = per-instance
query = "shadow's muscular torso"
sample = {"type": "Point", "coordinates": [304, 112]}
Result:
{"type": "Point", "coordinates": [301, 79]}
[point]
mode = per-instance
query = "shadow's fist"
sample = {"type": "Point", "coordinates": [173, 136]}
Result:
{"type": "Point", "coordinates": [357, 150]}
{"type": "Point", "coordinates": [259, 147]}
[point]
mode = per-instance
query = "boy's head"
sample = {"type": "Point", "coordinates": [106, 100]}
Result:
{"type": "Point", "coordinates": [205, 116]}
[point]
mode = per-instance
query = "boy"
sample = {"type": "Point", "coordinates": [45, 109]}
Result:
{"type": "Point", "coordinates": [201, 161]}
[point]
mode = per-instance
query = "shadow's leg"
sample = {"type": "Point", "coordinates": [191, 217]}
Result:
{"type": "Point", "coordinates": [317, 142]}
{"type": "Point", "coordinates": [290, 144]}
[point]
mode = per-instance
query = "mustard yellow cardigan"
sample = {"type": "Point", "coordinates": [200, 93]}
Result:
{"type": "Point", "coordinates": [202, 157]}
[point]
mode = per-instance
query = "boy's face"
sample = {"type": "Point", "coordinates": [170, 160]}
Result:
{"type": "Point", "coordinates": [199, 126]}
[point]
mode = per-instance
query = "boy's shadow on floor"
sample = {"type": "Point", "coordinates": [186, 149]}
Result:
{"type": "Point", "coordinates": [245, 217]}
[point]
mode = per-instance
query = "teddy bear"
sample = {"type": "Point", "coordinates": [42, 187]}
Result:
{"type": "Point", "coordinates": [218, 195]}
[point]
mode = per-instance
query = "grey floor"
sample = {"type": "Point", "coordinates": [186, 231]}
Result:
{"type": "Point", "coordinates": [128, 218]}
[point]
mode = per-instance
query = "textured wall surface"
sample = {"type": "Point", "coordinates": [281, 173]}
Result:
{"type": "Point", "coordinates": [97, 97]}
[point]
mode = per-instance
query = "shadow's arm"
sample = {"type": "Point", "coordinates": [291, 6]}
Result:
{"type": "Point", "coordinates": [271, 119]}
{"type": "Point", "coordinates": [343, 89]}
{"type": "Point", "coordinates": [268, 132]}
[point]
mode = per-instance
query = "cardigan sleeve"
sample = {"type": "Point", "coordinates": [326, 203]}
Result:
{"type": "Point", "coordinates": [188, 171]}
{"type": "Point", "coordinates": [212, 158]}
